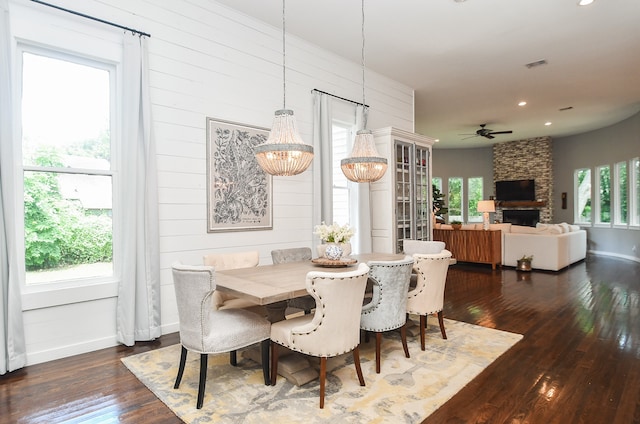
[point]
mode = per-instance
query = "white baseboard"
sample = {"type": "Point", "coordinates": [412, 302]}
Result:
{"type": "Point", "coordinates": [84, 347]}
{"type": "Point", "coordinates": [70, 350]}
{"type": "Point", "coordinates": [615, 255]}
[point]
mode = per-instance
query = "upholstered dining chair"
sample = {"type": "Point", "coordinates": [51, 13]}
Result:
{"type": "Point", "coordinates": [388, 307]}
{"type": "Point", "coordinates": [333, 329]}
{"type": "Point", "coordinates": [428, 295]}
{"type": "Point", "coordinates": [295, 254]}
{"type": "Point", "coordinates": [206, 331]}
{"type": "Point", "coordinates": [224, 261]}
{"type": "Point", "coordinates": [411, 247]}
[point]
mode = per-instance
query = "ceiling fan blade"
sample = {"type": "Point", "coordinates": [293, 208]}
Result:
{"type": "Point", "coordinates": [489, 136]}
{"type": "Point", "coordinates": [470, 136]}
{"type": "Point", "coordinates": [501, 132]}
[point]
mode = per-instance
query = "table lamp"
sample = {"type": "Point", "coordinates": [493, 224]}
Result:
{"type": "Point", "coordinates": [486, 206]}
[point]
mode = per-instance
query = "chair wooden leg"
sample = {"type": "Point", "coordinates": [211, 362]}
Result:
{"type": "Point", "coordinates": [233, 358]}
{"type": "Point", "coordinates": [274, 363]}
{"type": "Point", "coordinates": [441, 322]}
{"type": "Point", "coordinates": [264, 349]}
{"type": "Point", "coordinates": [183, 360]}
{"type": "Point", "coordinates": [403, 336]}
{"type": "Point", "coordinates": [203, 379]}
{"type": "Point", "coordinates": [323, 375]}
{"type": "Point", "coordinates": [356, 362]}
{"type": "Point", "coordinates": [378, 343]}
{"type": "Point", "coordinates": [423, 326]}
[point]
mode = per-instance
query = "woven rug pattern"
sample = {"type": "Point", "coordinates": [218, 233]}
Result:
{"type": "Point", "coordinates": [407, 391]}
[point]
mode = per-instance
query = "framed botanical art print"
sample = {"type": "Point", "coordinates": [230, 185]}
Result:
{"type": "Point", "coordinates": [239, 192]}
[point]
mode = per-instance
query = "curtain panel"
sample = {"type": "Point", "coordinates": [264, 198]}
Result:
{"type": "Point", "coordinates": [12, 340]}
{"type": "Point", "coordinates": [138, 306]}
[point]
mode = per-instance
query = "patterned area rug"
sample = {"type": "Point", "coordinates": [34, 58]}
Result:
{"type": "Point", "coordinates": [407, 390]}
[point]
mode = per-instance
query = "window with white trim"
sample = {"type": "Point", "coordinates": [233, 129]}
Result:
{"type": "Point", "coordinates": [66, 107]}
{"type": "Point", "coordinates": [634, 198]}
{"type": "Point", "coordinates": [474, 188]}
{"type": "Point", "coordinates": [455, 199]}
{"type": "Point", "coordinates": [603, 195]}
{"type": "Point", "coordinates": [582, 196]}
{"type": "Point", "coordinates": [621, 194]}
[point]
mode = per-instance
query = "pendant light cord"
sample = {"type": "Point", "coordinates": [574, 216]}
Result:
{"type": "Point", "coordinates": [284, 66]}
{"type": "Point", "coordinates": [363, 101]}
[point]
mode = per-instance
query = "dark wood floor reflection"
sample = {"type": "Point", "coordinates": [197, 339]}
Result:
{"type": "Point", "coordinates": [579, 361]}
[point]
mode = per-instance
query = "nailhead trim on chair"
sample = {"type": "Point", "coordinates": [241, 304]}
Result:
{"type": "Point", "coordinates": [420, 291]}
{"type": "Point", "coordinates": [320, 323]}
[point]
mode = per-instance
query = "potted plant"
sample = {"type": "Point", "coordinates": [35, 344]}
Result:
{"type": "Point", "coordinates": [524, 263]}
{"type": "Point", "coordinates": [439, 208]}
{"type": "Point", "coordinates": [456, 225]}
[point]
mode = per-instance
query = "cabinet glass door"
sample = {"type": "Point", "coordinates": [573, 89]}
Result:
{"type": "Point", "coordinates": [423, 194]}
{"type": "Point", "coordinates": [404, 193]}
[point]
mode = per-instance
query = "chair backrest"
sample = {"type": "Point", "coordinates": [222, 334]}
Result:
{"type": "Point", "coordinates": [296, 254]}
{"type": "Point", "coordinates": [388, 307]}
{"type": "Point", "coordinates": [222, 261]}
{"type": "Point", "coordinates": [194, 285]}
{"type": "Point", "coordinates": [335, 327]}
{"type": "Point", "coordinates": [411, 247]}
{"type": "Point", "coordinates": [428, 295]}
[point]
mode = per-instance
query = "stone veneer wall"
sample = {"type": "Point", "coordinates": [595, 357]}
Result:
{"type": "Point", "coordinates": [527, 159]}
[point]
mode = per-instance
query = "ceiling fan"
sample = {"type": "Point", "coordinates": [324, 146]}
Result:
{"type": "Point", "coordinates": [486, 132]}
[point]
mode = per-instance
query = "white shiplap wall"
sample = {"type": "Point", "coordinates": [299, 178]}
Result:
{"type": "Point", "coordinates": [209, 61]}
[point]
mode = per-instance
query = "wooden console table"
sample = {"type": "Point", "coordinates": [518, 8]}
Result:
{"type": "Point", "coordinates": [472, 245]}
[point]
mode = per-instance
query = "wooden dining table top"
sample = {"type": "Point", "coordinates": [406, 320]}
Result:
{"type": "Point", "coordinates": [267, 284]}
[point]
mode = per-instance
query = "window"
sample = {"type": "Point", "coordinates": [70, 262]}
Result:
{"type": "Point", "coordinates": [474, 185]}
{"type": "Point", "coordinates": [582, 196]}
{"type": "Point", "coordinates": [66, 108]}
{"type": "Point", "coordinates": [437, 181]}
{"type": "Point", "coordinates": [634, 201]}
{"type": "Point", "coordinates": [621, 186]}
{"type": "Point", "coordinates": [603, 193]}
{"type": "Point", "coordinates": [341, 194]}
{"type": "Point", "coordinates": [455, 199]}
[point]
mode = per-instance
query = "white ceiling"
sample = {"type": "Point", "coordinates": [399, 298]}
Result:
{"type": "Point", "coordinates": [466, 59]}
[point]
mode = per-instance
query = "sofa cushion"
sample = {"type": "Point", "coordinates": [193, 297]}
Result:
{"type": "Point", "coordinates": [523, 229]}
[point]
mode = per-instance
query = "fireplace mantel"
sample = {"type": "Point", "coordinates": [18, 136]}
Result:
{"type": "Point", "coordinates": [520, 204]}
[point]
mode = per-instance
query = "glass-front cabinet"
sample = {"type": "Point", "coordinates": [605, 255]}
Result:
{"type": "Point", "coordinates": [401, 200]}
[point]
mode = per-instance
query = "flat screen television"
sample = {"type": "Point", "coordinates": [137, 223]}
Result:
{"type": "Point", "coordinates": [516, 190]}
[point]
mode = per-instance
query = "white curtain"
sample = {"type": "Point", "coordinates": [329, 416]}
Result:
{"type": "Point", "coordinates": [12, 343]}
{"type": "Point", "coordinates": [138, 309]}
{"type": "Point", "coordinates": [322, 172]}
{"type": "Point", "coordinates": [364, 202]}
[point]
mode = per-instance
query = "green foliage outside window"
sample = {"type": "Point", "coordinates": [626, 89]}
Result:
{"type": "Point", "coordinates": [59, 231]}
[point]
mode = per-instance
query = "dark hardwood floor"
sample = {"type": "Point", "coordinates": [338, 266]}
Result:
{"type": "Point", "coordinates": [579, 361]}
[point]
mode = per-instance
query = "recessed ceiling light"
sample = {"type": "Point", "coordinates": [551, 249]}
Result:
{"type": "Point", "coordinates": [522, 103]}
{"type": "Point", "coordinates": [584, 2]}
{"type": "Point", "coordinates": [547, 123]}
{"type": "Point", "coordinates": [437, 140]}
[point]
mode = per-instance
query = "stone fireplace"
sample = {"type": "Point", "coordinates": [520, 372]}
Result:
{"type": "Point", "coordinates": [526, 159]}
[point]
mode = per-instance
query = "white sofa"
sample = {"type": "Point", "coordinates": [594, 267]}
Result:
{"type": "Point", "coordinates": [553, 246]}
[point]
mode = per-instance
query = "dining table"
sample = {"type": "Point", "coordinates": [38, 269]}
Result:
{"type": "Point", "coordinates": [273, 285]}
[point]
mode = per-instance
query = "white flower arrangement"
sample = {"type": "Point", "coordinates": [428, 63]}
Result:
{"type": "Point", "coordinates": [334, 233]}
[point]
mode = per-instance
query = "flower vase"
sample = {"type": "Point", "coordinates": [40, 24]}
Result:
{"type": "Point", "coordinates": [322, 249]}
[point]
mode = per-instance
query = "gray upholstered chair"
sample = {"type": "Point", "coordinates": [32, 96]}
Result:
{"type": "Point", "coordinates": [224, 261]}
{"type": "Point", "coordinates": [295, 254]}
{"type": "Point", "coordinates": [388, 307]}
{"type": "Point", "coordinates": [207, 331]}
{"type": "Point", "coordinates": [428, 295]}
{"type": "Point", "coordinates": [334, 328]}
